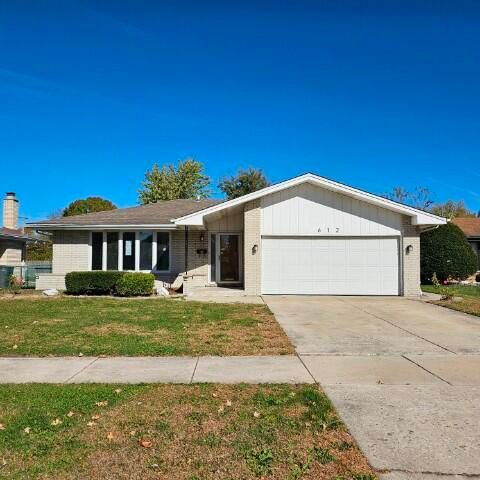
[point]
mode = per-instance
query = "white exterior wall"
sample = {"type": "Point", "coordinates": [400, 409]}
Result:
{"type": "Point", "coordinates": [11, 253]}
{"type": "Point", "coordinates": [310, 210]}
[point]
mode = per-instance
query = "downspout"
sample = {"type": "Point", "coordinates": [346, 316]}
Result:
{"type": "Point", "coordinates": [186, 250]}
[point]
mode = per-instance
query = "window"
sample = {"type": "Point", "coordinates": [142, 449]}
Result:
{"type": "Point", "coordinates": [146, 240]}
{"type": "Point", "coordinates": [112, 251]}
{"type": "Point", "coordinates": [163, 252]}
{"type": "Point", "coordinates": [129, 250]}
{"type": "Point", "coordinates": [97, 250]}
{"type": "Point", "coordinates": [145, 251]}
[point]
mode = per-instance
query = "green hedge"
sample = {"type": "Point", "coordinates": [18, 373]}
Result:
{"type": "Point", "coordinates": [135, 284]}
{"type": "Point", "coordinates": [125, 284]}
{"type": "Point", "coordinates": [446, 252]}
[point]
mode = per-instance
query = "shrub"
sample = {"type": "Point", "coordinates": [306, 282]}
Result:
{"type": "Point", "coordinates": [446, 252]}
{"type": "Point", "coordinates": [92, 283]}
{"type": "Point", "coordinates": [135, 284]}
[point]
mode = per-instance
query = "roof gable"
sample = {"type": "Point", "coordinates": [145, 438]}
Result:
{"type": "Point", "coordinates": [419, 217]}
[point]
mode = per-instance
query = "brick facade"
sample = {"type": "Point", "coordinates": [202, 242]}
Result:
{"type": "Point", "coordinates": [252, 256]}
{"type": "Point", "coordinates": [410, 261]}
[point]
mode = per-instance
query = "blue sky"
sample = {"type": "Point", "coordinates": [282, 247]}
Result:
{"type": "Point", "coordinates": [373, 94]}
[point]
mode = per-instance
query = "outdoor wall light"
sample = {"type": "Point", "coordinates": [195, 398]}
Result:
{"type": "Point", "coordinates": [254, 249]}
{"type": "Point", "coordinates": [409, 249]}
{"type": "Point", "coordinates": [202, 237]}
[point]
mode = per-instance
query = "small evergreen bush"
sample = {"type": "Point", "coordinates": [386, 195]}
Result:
{"type": "Point", "coordinates": [135, 284]}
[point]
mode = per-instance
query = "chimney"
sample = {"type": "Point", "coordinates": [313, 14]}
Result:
{"type": "Point", "coordinates": [10, 211]}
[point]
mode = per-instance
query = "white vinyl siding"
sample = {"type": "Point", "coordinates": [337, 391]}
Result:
{"type": "Point", "coordinates": [310, 210]}
{"type": "Point", "coordinates": [330, 266]}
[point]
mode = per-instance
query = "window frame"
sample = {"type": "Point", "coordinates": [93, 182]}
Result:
{"type": "Point", "coordinates": [137, 250]}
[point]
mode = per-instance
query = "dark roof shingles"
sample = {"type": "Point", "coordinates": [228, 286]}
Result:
{"type": "Point", "coordinates": [160, 213]}
{"type": "Point", "coordinates": [14, 234]}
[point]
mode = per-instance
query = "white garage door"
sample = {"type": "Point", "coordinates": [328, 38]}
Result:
{"type": "Point", "coordinates": [330, 266]}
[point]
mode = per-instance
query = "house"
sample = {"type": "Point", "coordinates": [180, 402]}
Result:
{"type": "Point", "coordinates": [12, 239]}
{"type": "Point", "coordinates": [306, 235]}
{"type": "Point", "coordinates": [471, 228]}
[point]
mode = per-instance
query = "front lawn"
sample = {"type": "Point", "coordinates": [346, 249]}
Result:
{"type": "Point", "coordinates": [467, 298]}
{"type": "Point", "coordinates": [137, 327]}
{"type": "Point", "coordinates": [175, 432]}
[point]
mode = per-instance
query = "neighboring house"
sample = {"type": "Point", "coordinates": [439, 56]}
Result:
{"type": "Point", "coordinates": [306, 235]}
{"type": "Point", "coordinates": [471, 228]}
{"type": "Point", "coordinates": [12, 239]}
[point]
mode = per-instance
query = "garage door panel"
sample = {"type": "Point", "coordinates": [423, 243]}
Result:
{"type": "Point", "coordinates": [330, 266]}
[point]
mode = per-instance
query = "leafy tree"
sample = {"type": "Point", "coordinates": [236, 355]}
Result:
{"type": "Point", "coordinates": [40, 250]}
{"type": "Point", "coordinates": [452, 209]}
{"type": "Point", "coordinates": [245, 181]}
{"type": "Point", "coordinates": [446, 252]}
{"type": "Point", "coordinates": [418, 198]}
{"type": "Point", "coordinates": [187, 180]}
{"type": "Point", "coordinates": [88, 205]}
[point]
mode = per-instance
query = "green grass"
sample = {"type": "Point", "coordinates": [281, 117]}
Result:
{"type": "Point", "coordinates": [459, 290]}
{"type": "Point", "coordinates": [193, 431]}
{"type": "Point", "coordinates": [47, 448]}
{"type": "Point", "coordinates": [469, 301]}
{"type": "Point", "coordinates": [98, 326]}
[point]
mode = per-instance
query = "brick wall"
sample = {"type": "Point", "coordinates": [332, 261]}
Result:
{"type": "Point", "coordinates": [411, 261]}
{"type": "Point", "coordinates": [252, 236]}
{"type": "Point", "coordinates": [70, 251]}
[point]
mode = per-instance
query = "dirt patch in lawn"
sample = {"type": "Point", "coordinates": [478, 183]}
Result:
{"type": "Point", "coordinates": [222, 432]}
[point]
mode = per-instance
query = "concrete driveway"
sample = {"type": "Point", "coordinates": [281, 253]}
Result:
{"type": "Point", "coordinates": [404, 376]}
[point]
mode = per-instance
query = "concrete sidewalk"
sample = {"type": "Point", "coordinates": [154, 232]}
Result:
{"type": "Point", "coordinates": [259, 369]}
{"type": "Point", "coordinates": [424, 370]}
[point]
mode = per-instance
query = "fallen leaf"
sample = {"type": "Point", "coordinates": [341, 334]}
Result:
{"type": "Point", "coordinates": [145, 443]}
{"type": "Point", "coordinates": [133, 433]}
{"type": "Point", "coordinates": [56, 422]}
{"type": "Point", "coordinates": [228, 403]}
{"type": "Point", "coordinates": [256, 414]}
{"type": "Point", "coordinates": [221, 409]}
{"type": "Point", "coordinates": [118, 391]}
{"type": "Point", "coordinates": [104, 403]}
{"type": "Point", "coordinates": [70, 414]}
{"type": "Point", "coordinates": [2, 426]}
{"type": "Point", "coordinates": [110, 436]}
{"type": "Point", "coordinates": [91, 424]}
{"type": "Point", "coordinates": [27, 429]}
{"type": "Point", "coordinates": [214, 395]}
{"type": "Point", "coordinates": [95, 417]}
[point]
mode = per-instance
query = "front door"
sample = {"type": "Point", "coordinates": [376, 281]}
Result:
{"type": "Point", "coordinates": [228, 265]}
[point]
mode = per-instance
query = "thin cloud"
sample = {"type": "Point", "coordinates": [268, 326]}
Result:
{"type": "Point", "coordinates": [116, 24]}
